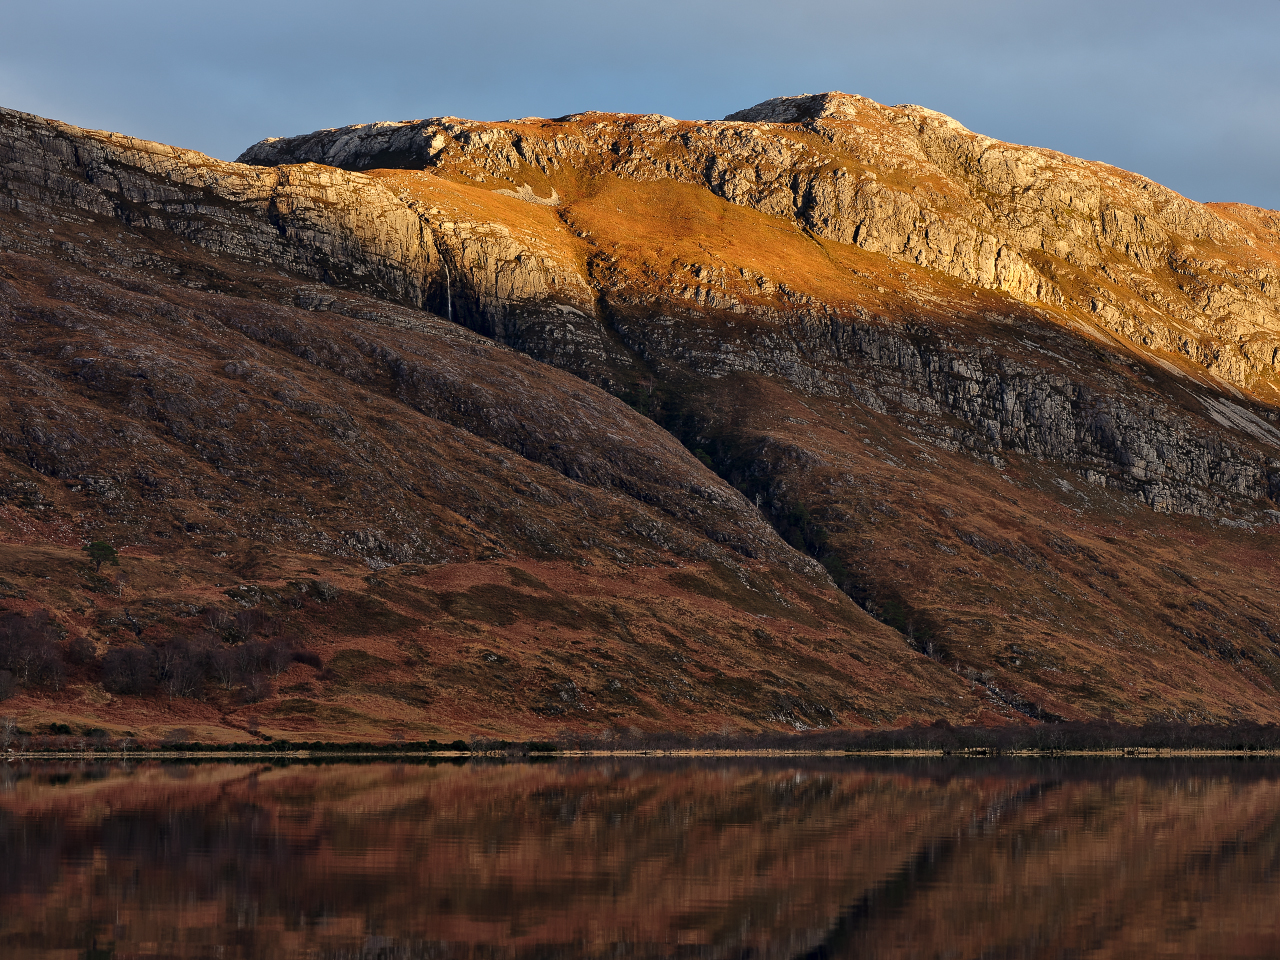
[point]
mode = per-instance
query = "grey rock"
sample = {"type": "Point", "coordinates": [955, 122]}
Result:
{"type": "Point", "coordinates": [1100, 246]}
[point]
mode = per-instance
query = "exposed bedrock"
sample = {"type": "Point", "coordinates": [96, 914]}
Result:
{"type": "Point", "coordinates": [912, 184]}
{"type": "Point", "coordinates": [339, 227]}
{"type": "Point", "coordinates": [964, 395]}
{"type": "Point", "coordinates": [1184, 448]}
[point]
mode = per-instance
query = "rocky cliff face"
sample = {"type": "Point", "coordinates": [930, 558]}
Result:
{"type": "Point", "coordinates": [1099, 244]}
{"type": "Point", "coordinates": [324, 466]}
{"type": "Point", "coordinates": [1162, 287]}
{"type": "Point", "coordinates": [1105, 428]}
{"type": "Point", "coordinates": [319, 222]}
{"type": "Point", "coordinates": [1017, 407]}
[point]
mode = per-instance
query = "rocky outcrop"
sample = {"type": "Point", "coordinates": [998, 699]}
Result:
{"type": "Point", "coordinates": [351, 229]}
{"type": "Point", "coordinates": [1085, 246]}
{"type": "Point", "coordinates": [320, 222]}
{"type": "Point", "coordinates": [1084, 238]}
{"type": "Point", "coordinates": [514, 289]}
{"type": "Point", "coordinates": [341, 228]}
{"type": "Point", "coordinates": [961, 395]}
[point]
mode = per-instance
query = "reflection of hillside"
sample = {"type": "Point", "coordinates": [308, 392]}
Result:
{"type": "Point", "coordinates": [607, 859]}
{"type": "Point", "coordinates": [1126, 869]}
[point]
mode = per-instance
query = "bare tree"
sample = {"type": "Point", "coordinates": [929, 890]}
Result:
{"type": "Point", "coordinates": [225, 669]}
{"type": "Point", "coordinates": [256, 688]}
{"type": "Point", "coordinates": [27, 647]}
{"type": "Point", "coordinates": [278, 658]}
{"type": "Point", "coordinates": [180, 667]}
{"type": "Point", "coordinates": [129, 670]}
{"type": "Point", "coordinates": [218, 619]}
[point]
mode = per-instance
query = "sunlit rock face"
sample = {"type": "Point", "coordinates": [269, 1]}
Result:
{"type": "Point", "coordinates": [966, 228]}
{"type": "Point", "coordinates": [1091, 242]}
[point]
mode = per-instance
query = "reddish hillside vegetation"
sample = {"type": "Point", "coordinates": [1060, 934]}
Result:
{"type": "Point", "coordinates": [508, 429]}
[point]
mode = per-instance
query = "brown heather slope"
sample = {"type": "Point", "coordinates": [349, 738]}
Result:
{"type": "Point", "coordinates": [471, 541]}
{"type": "Point", "coordinates": [1032, 511]}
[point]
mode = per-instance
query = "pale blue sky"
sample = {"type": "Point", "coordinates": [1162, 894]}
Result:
{"type": "Point", "coordinates": [1186, 93]}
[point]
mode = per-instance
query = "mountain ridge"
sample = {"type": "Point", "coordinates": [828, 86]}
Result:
{"type": "Point", "coordinates": [920, 141]}
{"type": "Point", "coordinates": [1002, 484]}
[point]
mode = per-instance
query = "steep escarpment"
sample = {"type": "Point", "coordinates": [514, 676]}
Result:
{"type": "Point", "coordinates": [318, 222]}
{"type": "Point", "coordinates": [443, 536]}
{"type": "Point", "coordinates": [619, 421]}
{"type": "Point", "coordinates": [1098, 244]}
{"type": "Point", "coordinates": [936, 305]}
{"type": "Point", "coordinates": [1149, 286]}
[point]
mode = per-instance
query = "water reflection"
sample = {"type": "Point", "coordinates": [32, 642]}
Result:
{"type": "Point", "coordinates": [757, 859]}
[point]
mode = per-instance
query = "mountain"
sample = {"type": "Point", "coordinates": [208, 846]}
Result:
{"type": "Point", "coordinates": [826, 414]}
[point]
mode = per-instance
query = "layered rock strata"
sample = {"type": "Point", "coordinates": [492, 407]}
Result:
{"type": "Point", "coordinates": [320, 222]}
{"type": "Point", "coordinates": [1165, 290]}
{"type": "Point", "coordinates": [1098, 243]}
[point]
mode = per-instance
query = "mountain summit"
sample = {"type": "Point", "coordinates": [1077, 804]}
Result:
{"type": "Point", "coordinates": [807, 106]}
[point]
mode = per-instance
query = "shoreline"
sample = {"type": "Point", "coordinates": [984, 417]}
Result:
{"type": "Point", "coordinates": [980, 753]}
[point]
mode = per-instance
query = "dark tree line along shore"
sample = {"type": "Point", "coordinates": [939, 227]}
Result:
{"type": "Point", "coordinates": [33, 654]}
{"type": "Point", "coordinates": [228, 660]}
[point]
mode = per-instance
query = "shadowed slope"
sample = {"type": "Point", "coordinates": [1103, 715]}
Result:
{"type": "Point", "coordinates": [543, 556]}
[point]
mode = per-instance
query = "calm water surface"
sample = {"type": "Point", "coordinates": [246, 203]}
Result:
{"type": "Point", "coordinates": [611, 859]}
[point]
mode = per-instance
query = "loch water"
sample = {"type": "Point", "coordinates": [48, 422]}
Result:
{"type": "Point", "coordinates": [758, 858]}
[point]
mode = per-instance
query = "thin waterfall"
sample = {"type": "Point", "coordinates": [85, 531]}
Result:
{"type": "Point", "coordinates": [448, 290]}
